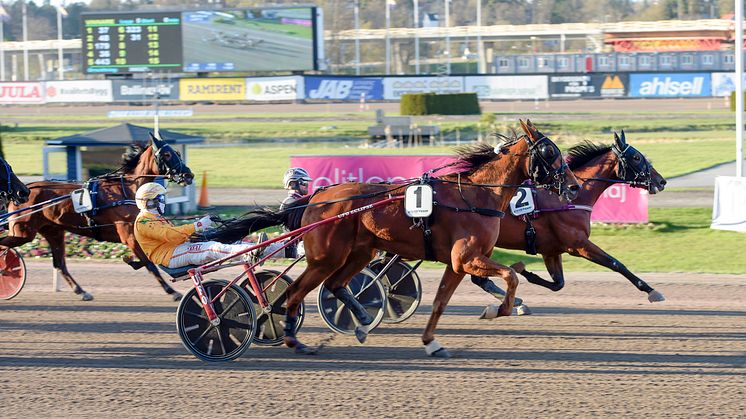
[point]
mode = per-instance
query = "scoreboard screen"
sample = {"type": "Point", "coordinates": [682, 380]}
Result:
{"type": "Point", "coordinates": [132, 42]}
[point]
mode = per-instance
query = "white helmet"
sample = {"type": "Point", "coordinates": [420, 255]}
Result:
{"type": "Point", "coordinates": [294, 174]}
{"type": "Point", "coordinates": [151, 196]}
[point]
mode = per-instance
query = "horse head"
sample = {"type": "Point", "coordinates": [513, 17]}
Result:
{"type": "Point", "coordinates": [11, 188]}
{"type": "Point", "coordinates": [634, 168]}
{"type": "Point", "coordinates": [546, 165]}
{"type": "Point", "coordinates": [169, 162]}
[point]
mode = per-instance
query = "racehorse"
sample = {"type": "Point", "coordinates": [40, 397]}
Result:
{"type": "Point", "coordinates": [13, 190]}
{"type": "Point", "coordinates": [561, 228]}
{"type": "Point", "coordinates": [114, 210]}
{"type": "Point", "coordinates": [461, 231]}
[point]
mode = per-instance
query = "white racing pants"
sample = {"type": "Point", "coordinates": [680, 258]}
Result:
{"type": "Point", "coordinates": [204, 252]}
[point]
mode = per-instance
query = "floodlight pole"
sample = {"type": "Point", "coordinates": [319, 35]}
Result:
{"type": "Point", "coordinates": [60, 67]}
{"type": "Point", "coordinates": [448, 37]}
{"type": "Point", "coordinates": [25, 42]}
{"type": "Point", "coordinates": [739, 87]}
{"type": "Point", "coordinates": [356, 11]}
{"type": "Point", "coordinates": [388, 38]}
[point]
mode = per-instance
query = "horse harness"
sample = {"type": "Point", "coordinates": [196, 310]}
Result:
{"type": "Point", "coordinates": [93, 185]}
{"type": "Point", "coordinates": [425, 223]}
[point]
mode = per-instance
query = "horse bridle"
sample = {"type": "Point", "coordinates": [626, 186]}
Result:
{"type": "Point", "coordinates": [641, 176]}
{"type": "Point", "coordinates": [174, 171]}
{"type": "Point", "coordinates": [8, 193]}
{"type": "Point", "coordinates": [541, 170]}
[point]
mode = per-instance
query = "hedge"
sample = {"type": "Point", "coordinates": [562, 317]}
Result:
{"type": "Point", "coordinates": [435, 104]}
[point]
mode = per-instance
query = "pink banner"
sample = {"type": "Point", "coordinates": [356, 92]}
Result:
{"type": "Point", "coordinates": [619, 204]}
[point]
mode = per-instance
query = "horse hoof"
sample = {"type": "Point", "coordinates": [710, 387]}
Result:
{"type": "Point", "coordinates": [434, 350]}
{"type": "Point", "coordinates": [302, 349]}
{"type": "Point", "coordinates": [86, 297]}
{"type": "Point", "coordinates": [489, 312]}
{"type": "Point", "coordinates": [361, 333]}
{"type": "Point", "coordinates": [655, 297]}
{"type": "Point", "coordinates": [522, 310]}
{"type": "Point", "coordinates": [176, 296]}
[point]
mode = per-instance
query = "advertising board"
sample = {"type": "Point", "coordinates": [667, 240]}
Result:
{"type": "Point", "coordinates": [343, 88]}
{"type": "Point", "coordinates": [588, 85]}
{"type": "Point", "coordinates": [24, 92]}
{"type": "Point", "coordinates": [394, 87]}
{"type": "Point", "coordinates": [621, 203]}
{"type": "Point", "coordinates": [212, 89]}
{"type": "Point", "coordinates": [72, 91]}
{"type": "Point", "coordinates": [669, 85]}
{"type": "Point", "coordinates": [507, 87]}
{"type": "Point", "coordinates": [134, 90]}
{"type": "Point", "coordinates": [274, 88]}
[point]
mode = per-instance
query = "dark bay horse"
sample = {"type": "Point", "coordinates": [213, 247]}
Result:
{"type": "Point", "coordinates": [461, 231]}
{"type": "Point", "coordinates": [11, 188]}
{"type": "Point", "coordinates": [560, 230]}
{"type": "Point", "coordinates": [112, 221]}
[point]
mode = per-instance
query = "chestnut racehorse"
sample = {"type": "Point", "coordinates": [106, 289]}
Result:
{"type": "Point", "coordinates": [461, 231]}
{"type": "Point", "coordinates": [561, 228]}
{"type": "Point", "coordinates": [116, 210]}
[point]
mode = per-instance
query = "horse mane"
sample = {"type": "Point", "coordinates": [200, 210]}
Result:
{"type": "Point", "coordinates": [473, 156]}
{"type": "Point", "coordinates": [580, 154]}
{"type": "Point", "coordinates": [131, 157]}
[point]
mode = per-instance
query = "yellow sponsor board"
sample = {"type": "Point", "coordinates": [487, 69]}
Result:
{"type": "Point", "coordinates": [212, 89]}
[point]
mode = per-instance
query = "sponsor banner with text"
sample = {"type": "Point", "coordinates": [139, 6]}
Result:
{"type": "Point", "coordinates": [274, 88]}
{"type": "Point", "coordinates": [134, 90]}
{"type": "Point", "coordinates": [507, 87]}
{"type": "Point", "coordinates": [25, 92]}
{"type": "Point", "coordinates": [723, 84]}
{"type": "Point", "coordinates": [343, 88]}
{"type": "Point", "coordinates": [212, 89]}
{"type": "Point", "coordinates": [394, 87]}
{"type": "Point", "coordinates": [587, 85]}
{"type": "Point", "coordinates": [78, 91]}
{"type": "Point", "coordinates": [669, 85]}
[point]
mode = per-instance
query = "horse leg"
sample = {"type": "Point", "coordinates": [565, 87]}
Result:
{"type": "Point", "coordinates": [554, 267]}
{"type": "Point", "coordinates": [596, 255]}
{"type": "Point", "coordinates": [56, 239]}
{"type": "Point", "coordinates": [483, 266]}
{"type": "Point", "coordinates": [337, 284]}
{"type": "Point", "coordinates": [312, 277]}
{"type": "Point", "coordinates": [448, 284]}
{"type": "Point", "coordinates": [491, 288]}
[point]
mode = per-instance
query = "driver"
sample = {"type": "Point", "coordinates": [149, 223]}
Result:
{"type": "Point", "coordinates": [168, 245]}
{"type": "Point", "coordinates": [296, 181]}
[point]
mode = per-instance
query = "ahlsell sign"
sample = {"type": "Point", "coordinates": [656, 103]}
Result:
{"type": "Point", "coordinates": [670, 85]}
{"type": "Point", "coordinates": [618, 204]}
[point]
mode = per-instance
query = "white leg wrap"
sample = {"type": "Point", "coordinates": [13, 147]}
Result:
{"type": "Point", "coordinates": [489, 312]}
{"type": "Point", "coordinates": [432, 347]}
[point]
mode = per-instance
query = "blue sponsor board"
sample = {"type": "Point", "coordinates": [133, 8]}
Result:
{"type": "Point", "coordinates": [343, 88]}
{"type": "Point", "coordinates": [669, 85]}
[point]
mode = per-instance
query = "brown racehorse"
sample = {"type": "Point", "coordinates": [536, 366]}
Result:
{"type": "Point", "coordinates": [562, 230]}
{"type": "Point", "coordinates": [463, 227]}
{"type": "Point", "coordinates": [116, 209]}
{"type": "Point", "coordinates": [11, 188]}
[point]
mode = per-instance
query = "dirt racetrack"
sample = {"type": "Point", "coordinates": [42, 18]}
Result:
{"type": "Point", "coordinates": [597, 348]}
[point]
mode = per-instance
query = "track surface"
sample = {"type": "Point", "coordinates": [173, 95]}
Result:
{"type": "Point", "coordinates": [596, 348]}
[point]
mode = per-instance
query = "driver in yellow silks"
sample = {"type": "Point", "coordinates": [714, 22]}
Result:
{"type": "Point", "coordinates": [168, 245]}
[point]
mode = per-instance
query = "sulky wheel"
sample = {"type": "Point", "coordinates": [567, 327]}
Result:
{"type": "Point", "coordinates": [226, 341]}
{"type": "Point", "coordinates": [270, 325]}
{"type": "Point", "coordinates": [366, 290]}
{"type": "Point", "coordinates": [12, 273]}
{"type": "Point", "coordinates": [403, 289]}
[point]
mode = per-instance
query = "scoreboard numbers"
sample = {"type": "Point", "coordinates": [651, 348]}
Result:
{"type": "Point", "coordinates": [132, 42]}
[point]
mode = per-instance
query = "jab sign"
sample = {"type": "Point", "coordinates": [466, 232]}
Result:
{"type": "Point", "coordinates": [344, 88]}
{"type": "Point", "coordinates": [670, 85]}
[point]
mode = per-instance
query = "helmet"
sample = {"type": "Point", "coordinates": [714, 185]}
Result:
{"type": "Point", "coordinates": [295, 174]}
{"type": "Point", "coordinates": [150, 196]}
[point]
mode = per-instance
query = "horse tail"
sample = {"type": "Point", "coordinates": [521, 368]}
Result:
{"type": "Point", "coordinates": [259, 219]}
